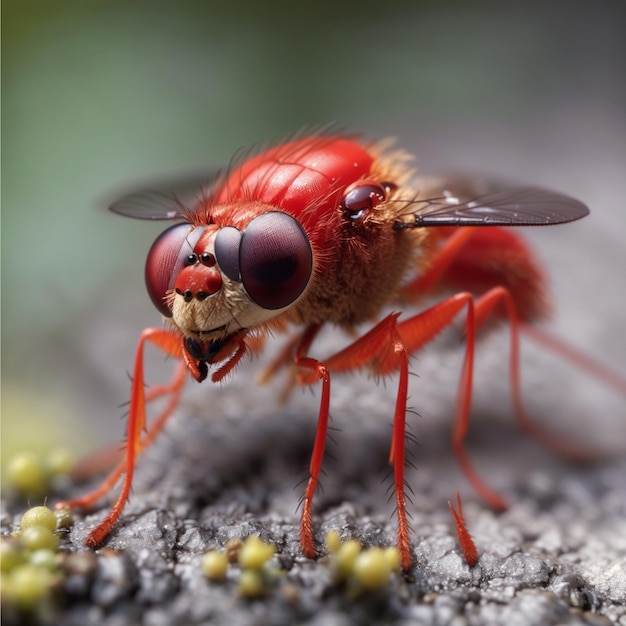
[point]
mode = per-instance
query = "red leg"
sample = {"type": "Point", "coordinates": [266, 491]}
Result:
{"type": "Point", "coordinates": [240, 351]}
{"type": "Point", "coordinates": [485, 306]}
{"type": "Point", "coordinates": [285, 358]}
{"type": "Point", "coordinates": [282, 359]}
{"type": "Point", "coordinates": [571, 354]}
{"type": "Point", "coordinates": [174, 387]}
{"type": "Point", "coordinates": [479, 259]}
{"type": "Point", "coordinates": [425, 281]}
{"type": "Point", "coordinates": [374, 349]}
{"type": "Point", "coordinates": [317, 456]}
{"type": "Point", "coordinates": [382, 338]}
{"type": "Point", "coordinates": [499, 263]}
{"type": "Point", "coordinates": [470, 553]}
{"type": "Point", "coordinates": [422, 328]}
{"type": "Point", "coordinates": [110, 456]}
{"type": "Point", "coordinates": [385, 348]}
{"type": "Point", "coordinates": [170, 343]}
{"type": "Point", "coordinates": [396, 453]}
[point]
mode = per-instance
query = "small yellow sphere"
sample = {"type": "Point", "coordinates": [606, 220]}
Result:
{"type": "Point", "coordinates": [28, 586]}
{"type": "Point", "coordinates": [59, 462]}
{"type": "Point", "coordinates": [39, 516]}
{"type": "Point", "coordinates": [255, 553]}
{"type": "Point", "coordinates": [44, 559]}
{"type": "Point", "coordinates": [251, 583]}
{"type": "Point", "coordinates": [344, 558]}
{"type": "Point", "coordinates": [214, 565]}
{"type": "Point", "coordinates": [393, 557]}
{"type": "Point", "coordinates": [39, 537]}
{"type": "Point", "coordinates": [333, 541]}
{"type": "Point", "coordinates": [372, 569]}
{"type": "Point", "coordinates": [11, 554]}
{"type": "Point", "coordinates": [27, 474]}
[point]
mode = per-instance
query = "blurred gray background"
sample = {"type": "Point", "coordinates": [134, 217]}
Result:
{"type": "Point", "coordinates": [102, 96]}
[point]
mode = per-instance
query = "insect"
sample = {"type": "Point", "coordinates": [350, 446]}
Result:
{"type": "Point", "coordinates": [327, 229]}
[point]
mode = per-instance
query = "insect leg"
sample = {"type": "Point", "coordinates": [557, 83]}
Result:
{"type": "Point", "coordinates": [284, 358]}
{"type": "Point", "coordinates": [174, 387]}
{"type": "Point", "coordinates": [416, 332]}
{"type": "Point", "coordinates": [320, 372]}
{"type": "Point", "coordinates": [397, 451]}
{"type": "Point", "coordinates": [136, 443]}
{"type": "Point", "coordinates": [386, 348]}
{"type": "Point", "coordinates": [240, 351]}
{"type": "Point", "coordinates": [381, 342]}
{"type": "Point", "coordinates": [581, 360]}
{"type": "Point", "coordinates": [478, 259]}
{"type": "Point", "coordinates": [485, 306]}
{"type": "Point", "coordinates": [432, 276]}
{"type": "Point", "coordinates": [482, 260]}
{"type": "Point", "coordinates": [470, 553]}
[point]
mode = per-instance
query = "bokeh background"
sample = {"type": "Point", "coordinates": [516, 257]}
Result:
{"type": "Point", "coordinates": [99, 97]}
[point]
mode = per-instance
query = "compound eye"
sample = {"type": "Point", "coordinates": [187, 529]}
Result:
{"type": "Point", "coordinates": [360, 198]}
{"type": "Point", "coordinates": [275, 259]}
{"type": "Point", "coordinates": [227, 242]}
{"type": "Point", "coordinates": [169, 254]}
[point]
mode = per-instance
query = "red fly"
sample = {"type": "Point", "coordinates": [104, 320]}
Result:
{"type": "Point", "coordinates": [330, 230]}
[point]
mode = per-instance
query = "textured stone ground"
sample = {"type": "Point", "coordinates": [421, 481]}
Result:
{"type": "Point", "coordinates": [230, 463]}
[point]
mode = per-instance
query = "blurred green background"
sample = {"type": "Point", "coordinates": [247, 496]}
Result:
{"type": "Point", "coordinates": [100, 96]}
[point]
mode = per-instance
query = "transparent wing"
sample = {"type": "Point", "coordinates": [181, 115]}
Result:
{"type": "Point", "coordinates": [168, 201]}
{"type": "Point", "coordinates": [524, 206]}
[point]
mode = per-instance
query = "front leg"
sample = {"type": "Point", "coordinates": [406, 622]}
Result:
{"type": "Point", "coordinates": [136, 442]}
{"type": "Point", "coordinates": [320, 372]}
{"type": "Point", "coordinates": [381, 343]}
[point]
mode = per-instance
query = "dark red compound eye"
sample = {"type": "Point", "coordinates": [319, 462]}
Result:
{"type": "Point", "coordinates": [275, 260]}
{"type": "Point", "coordinates": [169, 254]}
{"type": "Point", "coordinates": [361, 198]}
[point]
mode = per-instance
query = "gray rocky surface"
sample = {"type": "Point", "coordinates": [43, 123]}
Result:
{"type": "Point", "coordinates": [230, 465]}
